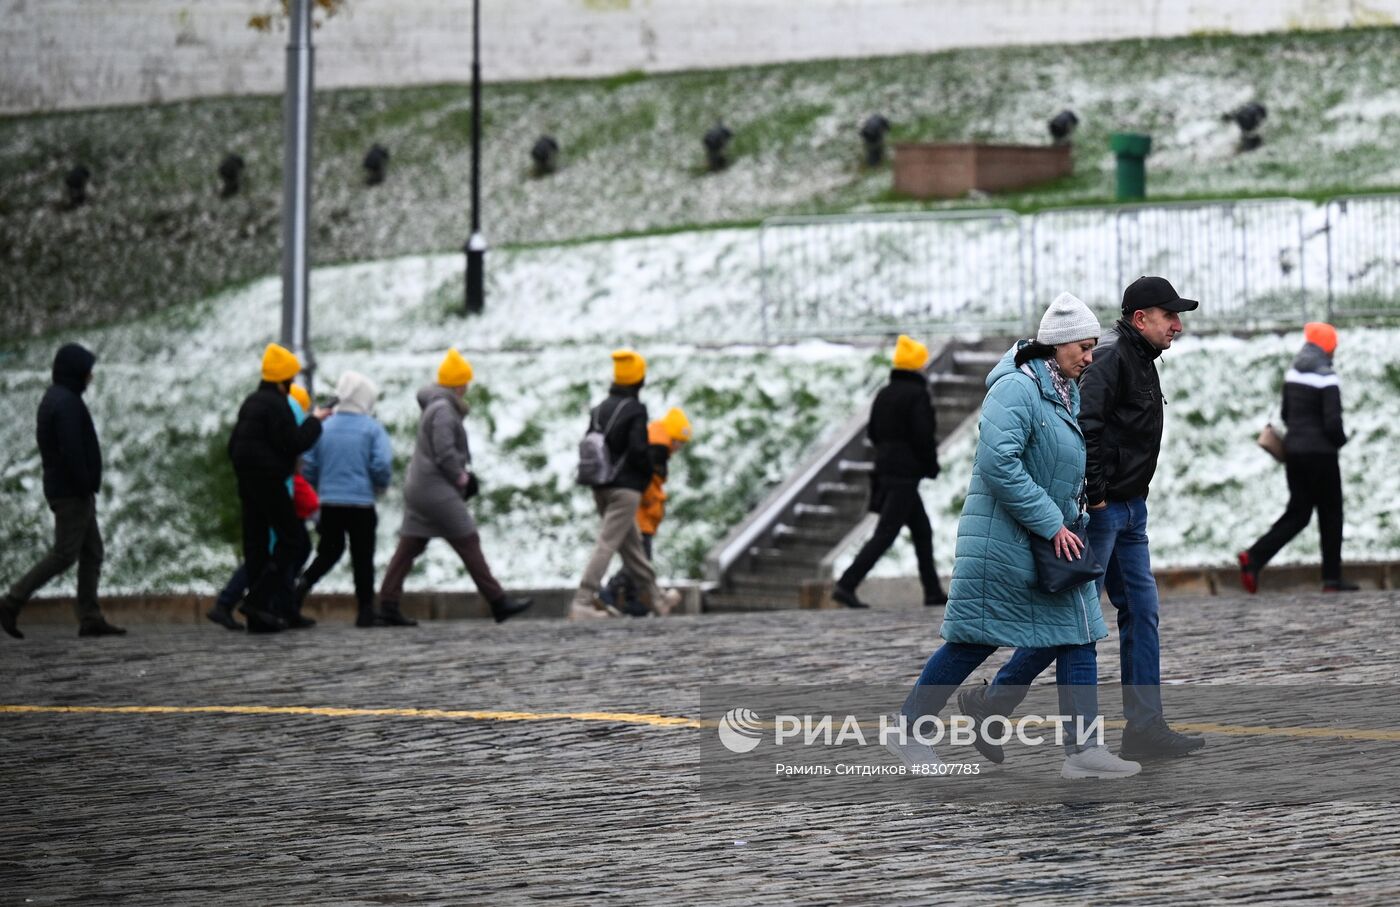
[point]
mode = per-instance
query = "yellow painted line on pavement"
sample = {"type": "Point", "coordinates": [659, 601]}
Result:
{"type": "Point", "coordinates": [637, 718]}
{"type": "Point", "coordinates": [328, 712]}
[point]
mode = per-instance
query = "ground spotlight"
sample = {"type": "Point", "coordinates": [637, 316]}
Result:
{"type": "Point", "coordinates": [1249, 117]}
{"type": "Point", "coordinates": [231, 173]}
{"type": "Point", "coordinates": [545, 154]}
{"type": "Point", "coordinates": [75, 181]}
{"type": "Point", "coordinates": [872, 133]}
{"type": "Point", "coordinates": [376, 164]}
{"type": "Point", "coordinates": [716, 141]}
{"type": "Point", "coordinates": [1062, 126]}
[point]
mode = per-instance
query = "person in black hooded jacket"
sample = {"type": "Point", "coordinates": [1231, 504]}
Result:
{"type": "Point", "coordinates": [903, 428]}
{"type": "Point", "coordinates": [1312, 410]}
{"type": "Point", "coordinates": [72, 463]}
{"type": "Point", "coordinates": [264, 447]}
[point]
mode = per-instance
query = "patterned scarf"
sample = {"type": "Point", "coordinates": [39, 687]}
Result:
{"type": "Point", "coordinates": [1058, 380]}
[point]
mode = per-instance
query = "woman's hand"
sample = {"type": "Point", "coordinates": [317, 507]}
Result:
{"type": "Point", "coordinates": [1067, 544]}
{"type": "Point", "coordinates": [461, 482]}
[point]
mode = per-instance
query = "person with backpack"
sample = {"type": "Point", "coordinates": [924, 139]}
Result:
{"type": "Point", "coordinates": [615, 462]}
{"type": "Point", "coordinates": [72, 465]}
{"type": "Point", "coordinates": [1312, 410]}
{"type": "Point", "coordinates": [903, 429]}
{"type": "Point", "coordinates": [350, 467]}
{"type": "Point", "coordinates": [436, 489]}
{"type": "Point", "coordinates": [664, 436]}
{"type": "Point", "coordinates": [264, 446]}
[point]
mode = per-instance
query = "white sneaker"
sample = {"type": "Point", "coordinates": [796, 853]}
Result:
{"type": "Point", "coordinates": [668, 602]}
{"type": "Point", "coordinates": [586, 612]}
{"type": "Point", "coordinates": [911, 752]}
{"type": "Point", "coordinates": [1097, 762]}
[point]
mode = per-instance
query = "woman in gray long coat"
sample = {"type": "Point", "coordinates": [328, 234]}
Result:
{"type": "Point", "coordinates": [435, 494]}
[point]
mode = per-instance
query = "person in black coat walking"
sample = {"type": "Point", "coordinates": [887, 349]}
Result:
{"type": "Point", "coordinates": [1312, 410]}
{"type": "Point", "coordinates": [72, 462]}
{"type": "Point", "coordinates": [264, 447]}
{"type": "Point", "coordinates": [903, 427]}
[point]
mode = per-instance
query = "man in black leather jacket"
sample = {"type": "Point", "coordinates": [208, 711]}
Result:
{"type": "Point", "coordinates": [1120, 411]}
{"type": "Point", "coordinates": [903, 429]}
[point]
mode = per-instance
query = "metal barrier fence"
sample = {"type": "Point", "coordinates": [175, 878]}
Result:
{"type": "Point", "coordinates": [1252, 263]}
{"type": "Point", "coordinates": [1363, 253]}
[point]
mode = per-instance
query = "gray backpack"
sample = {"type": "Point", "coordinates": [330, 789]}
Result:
{"type": "Point", "coordinates": [595, 462]}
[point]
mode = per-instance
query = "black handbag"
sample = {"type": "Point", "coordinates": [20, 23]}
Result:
{"type": "Point", "coordinates": [1055, 574]}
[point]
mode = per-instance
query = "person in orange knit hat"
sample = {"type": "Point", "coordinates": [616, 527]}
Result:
{"type": "Point", "coordinates": [264, 447]}
{"type": "Point", "coordinates": [615, 462]}
{"type": "Point", "coordinates": [903, 430]}
{"type": "Point", "coordinates": [665, 436]}
{"type": "Point", "coordinates": [1312, 410]}
{"type": "Point", "coordinates": [438, 484]}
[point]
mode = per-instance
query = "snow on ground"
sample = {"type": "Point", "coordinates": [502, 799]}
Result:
{"type": "Point", "coordinates": [168, 387]}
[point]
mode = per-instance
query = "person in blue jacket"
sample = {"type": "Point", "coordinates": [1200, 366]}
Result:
{"type": "Point", "coordinates": [1027, 479]}
{"type": "Point", "coordinates": [350, 466]}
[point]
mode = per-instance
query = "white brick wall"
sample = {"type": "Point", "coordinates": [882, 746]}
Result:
{"type": "Point", "coordinates": [79, 53]}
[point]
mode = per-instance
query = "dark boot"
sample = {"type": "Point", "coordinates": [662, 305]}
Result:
{"type": "Point", "coordinates": [1157, 741]}
{"type": "Point", "coordinates": [223, 616]}
{"type": "Point", "coordinates": [9, 617]}
{"type": "Point", "coordinates": [390, 614]}
{"type": "Point", "coordinates": [935, 599]}
{"type": "Point", "coordinates": [367, 616]}
{"type": "Point", "coordinates": [1339, 585]}
{"type": "Point", "coordinates": [847, 597]}
{"type": "Point", "coordinates": [508, 607]}
{"type": "Point", "coordinates": [262, 621]}
{"type": "Point", "coordinates": [98, 626]}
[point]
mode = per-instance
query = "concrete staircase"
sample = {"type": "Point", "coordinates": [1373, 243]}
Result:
{"type": "Point", "coordinates": [780, 556]}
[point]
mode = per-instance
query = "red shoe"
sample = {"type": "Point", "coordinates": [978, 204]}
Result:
{"type": "Point", "coordinates": [1249, 574]}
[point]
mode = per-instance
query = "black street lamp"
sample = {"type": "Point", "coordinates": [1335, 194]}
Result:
{"type": "Point", "coordinates": [476, 244]}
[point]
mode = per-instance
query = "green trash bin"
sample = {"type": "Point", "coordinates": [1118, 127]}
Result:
{"type": "Point", "coordinates": [1131, 149]}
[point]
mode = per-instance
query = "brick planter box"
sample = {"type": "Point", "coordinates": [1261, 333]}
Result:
{"type": "Point", "coordinates": [927, 170]}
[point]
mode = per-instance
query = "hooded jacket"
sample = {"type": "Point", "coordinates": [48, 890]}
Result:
{"type": "Point", "coordinates": [266, 439]}
{"type": "Point", "coordinates": [1312, 405]}
{"type": "Point", "coordinates": [903, 428]}
{"type": "Point", "coordinates": [1026, 480]}
{"type": "Point", "coordinates": [433, 505]}
{"type": "Point", "coordinates": [353, 459]}
{"type": "Point", "coordinates": [1121, 413]}
{"type": "Point", "coordinates": [67, 438]}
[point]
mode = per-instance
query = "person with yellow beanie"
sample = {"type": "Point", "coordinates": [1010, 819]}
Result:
{"type": "Point", "coordinates": [615, 462]}
{"type": "Point", "coordinates": [665, 436]}
{"type": "Point", "coordinates": [264, 447]}
{"type": "Point", "coordinates": [903, 428]}
{"type": "Point", "coordinates": [440, 480]}
{"type": "Point", "coordinates": [1312, 410]}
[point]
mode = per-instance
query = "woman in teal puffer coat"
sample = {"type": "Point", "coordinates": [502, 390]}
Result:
{"type": "Point", "coordinates": [1027, 478]}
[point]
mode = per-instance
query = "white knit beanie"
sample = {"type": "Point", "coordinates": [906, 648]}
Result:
{"type": "Point", "coordinates": [1068, 319]}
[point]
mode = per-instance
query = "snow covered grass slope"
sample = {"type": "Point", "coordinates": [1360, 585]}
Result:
{"type": "Point", "coordinates": [168, 387]}
{"type": "Point", "coordinates": [1215, 491]}
{"type": "Point", "coordinates": [156, 234]}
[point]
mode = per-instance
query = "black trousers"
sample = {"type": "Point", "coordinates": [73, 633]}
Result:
{"type": "Point", "coordinates": [1314, 483]}
{"type": "Point", "coordinates": [76, 539]}
{"type": "Point", "coordinates": [267, 507]}
{"type": "Point", "coordinates": [359, 524]}
{"type": "Point", "coordinates": [899, 506]}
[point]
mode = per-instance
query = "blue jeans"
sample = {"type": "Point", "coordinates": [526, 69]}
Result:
{"type": "Point", "coordinates": [1118, 535]}
{"type": "Point", "coordinates": [1076, 676]}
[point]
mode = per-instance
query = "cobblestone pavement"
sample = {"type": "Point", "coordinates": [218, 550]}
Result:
{"type": "Point", "coordinates": [303, 808]}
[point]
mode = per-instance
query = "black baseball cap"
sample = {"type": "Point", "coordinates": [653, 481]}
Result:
{"type": "Point", "coordinates": [1154, 292]}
